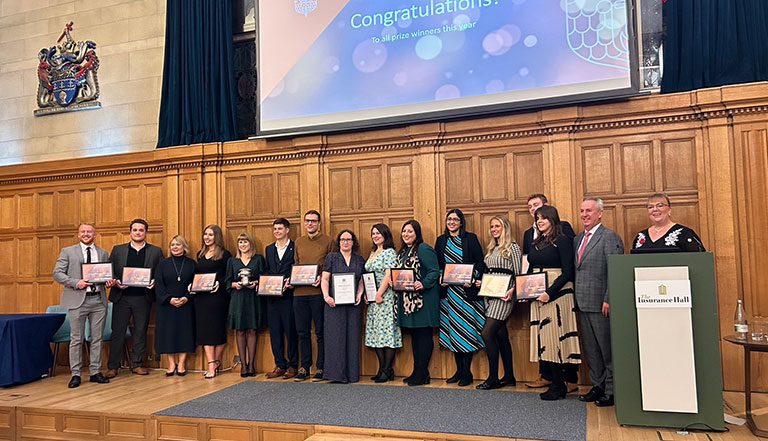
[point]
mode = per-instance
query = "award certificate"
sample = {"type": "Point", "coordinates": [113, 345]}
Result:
{"type": "Point", "coordinates": [369, 281]}
{"type": "Point", "coordinates": [458, 273]}
{"type": "Point", "coordinates": [271, 286]}
{"type": "Point", "coordinates": [344, 288]}
{"type": "Point", "coordinates": [303, 275]}
{"type": "Point", "coordinates": [495, 285]}
{"type": "Point", "coordinates": [97, 272]}
{"type": "Point", "coordinates": [530, 286]}
{"type": "Point", "coordinates": [403, 279]}
{"type": "Point", "coordinates": [138, 277]}
{"type": "Point", "coordinates": [203, 282]}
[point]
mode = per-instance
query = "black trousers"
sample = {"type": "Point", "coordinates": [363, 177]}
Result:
{"type": "Point", "coordinates": [308, 309]}
{"type": "Point", "coordinates": [282, 325]}
{"type": "Point", "coordinates": [139, 307]}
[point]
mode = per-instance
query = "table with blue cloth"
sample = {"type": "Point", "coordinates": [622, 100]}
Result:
{"type": "Point", "coordinates": [25, 352]}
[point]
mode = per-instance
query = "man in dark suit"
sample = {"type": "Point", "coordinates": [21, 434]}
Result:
{"type": "Point", "coordinates": [131, 300]}
{"type": "Point", "coordinates": [593, 246]}
{"type": "Point", "coordinates": [279, 259]}
{"type": "Point", "coordinates": [570, 374]}
{"type": "Point", "coordinates": [83, 300]}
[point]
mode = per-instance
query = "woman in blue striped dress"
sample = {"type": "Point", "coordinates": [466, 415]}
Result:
{"type": "Point", "coordinates": [462, 314]}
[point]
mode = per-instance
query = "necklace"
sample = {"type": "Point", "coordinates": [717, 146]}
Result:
{"type": "Point", "coordinates": [658, 230]}
{"type": "Point", "coordinates": [178, 270]}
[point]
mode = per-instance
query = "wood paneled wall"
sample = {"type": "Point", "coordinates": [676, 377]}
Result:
{"type": "Point", "coordinates": [707, 149]}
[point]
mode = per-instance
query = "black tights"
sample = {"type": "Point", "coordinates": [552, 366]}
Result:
{"type": "Point", "coordinates": [386, 357]}
{"type": "Point", "coordinates": [422, 346]}
{"type": "Point", "coordinates": [496, 340]}
{"type": "Point", "coordinates": [246, 342]}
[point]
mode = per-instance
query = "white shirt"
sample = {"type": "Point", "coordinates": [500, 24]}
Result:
{"type": "Point", "coordinates": [94, 256]}
{"type": "Point", "coordinates": [281, 250]}
{"type": "Point", "coordinates": [586, 238]}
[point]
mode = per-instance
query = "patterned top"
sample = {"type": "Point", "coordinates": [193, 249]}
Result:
{"type": "Point", "coordinates": [677, 238]}
{"type": "Point", "coordinates": [378, 265]}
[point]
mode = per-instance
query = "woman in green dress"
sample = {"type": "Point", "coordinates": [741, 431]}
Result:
{"type": "Point", "coordinates": [381, 330]}
{"type": "Point", "coordinates": [419, 310]}
{"type": "Point", "coordinates": [245, 307]}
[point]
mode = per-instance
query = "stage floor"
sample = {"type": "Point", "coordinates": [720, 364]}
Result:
{"type": "Point", "coordinates": [122, 410]}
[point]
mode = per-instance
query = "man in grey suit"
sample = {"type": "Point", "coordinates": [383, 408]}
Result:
{"type": "Point", "coordinates": [131, 300]}
{"type": "Point", "coordinates": [593, 245]}
{"type": "Point", "coordinates": [82, 300]}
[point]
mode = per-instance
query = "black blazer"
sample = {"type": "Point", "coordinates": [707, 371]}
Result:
{"type": "Point", "coordinates": [275, 266]}
{"type": "Point", "coordinates": [119, 258]}
{"type": "Point", "coordinates": [528, 235]}
{"type": "Point", "coordinates": [472, 253]}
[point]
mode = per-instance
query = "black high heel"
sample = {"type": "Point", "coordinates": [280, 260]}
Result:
{"type": "Point", "coordinates": [454, 378]}
{"type": "Point", "coordinates": [553, 394]}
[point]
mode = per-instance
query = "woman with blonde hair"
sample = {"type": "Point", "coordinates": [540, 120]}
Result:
{"type": "Point", "coordinates": [174, 316]}
{"type": "Point", "coordinates": [502, 256]}
{"type": "Point", "coordinates": [245, 307]}
{"type": "Point", "coordinates": [212, 308]}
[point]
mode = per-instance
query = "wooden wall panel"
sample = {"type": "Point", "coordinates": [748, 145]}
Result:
{"type": "Point", "coordinates": [707, 149]}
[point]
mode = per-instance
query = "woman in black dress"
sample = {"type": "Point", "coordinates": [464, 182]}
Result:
{"type": "Point", "coordinates": [664, 233]}
{"type": "Point", "coordinates": [212, 308]}
{"type": "Point", "coordinates": [554, 339]}
{"type": "Point", "coordinates": [175, 315]}
{"type": "Point", "coordinates": [342, 323]}
{"type": "Point", "coordinates": [245, 307]}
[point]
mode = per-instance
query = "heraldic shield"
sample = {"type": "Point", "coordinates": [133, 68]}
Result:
{"type": "Point", "coordinates": [65, 86]}
{"type": "Point", "coordinates": [67, 75]}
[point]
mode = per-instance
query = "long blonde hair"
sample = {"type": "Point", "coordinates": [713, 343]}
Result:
{"type": "Point", "coordinates": [218, 243]}
{"type": "Point", "coordinates": [505, 241]}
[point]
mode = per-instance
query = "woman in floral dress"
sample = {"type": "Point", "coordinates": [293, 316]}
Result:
{"type": "Point", "coordinates": [381, 330]}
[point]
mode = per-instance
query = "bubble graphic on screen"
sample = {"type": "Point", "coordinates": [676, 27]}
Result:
{"type": "Point", "coordinates": [461, 19]}
{"type": "Point", "coordinates": [494, 86]}
{"type": "Point", "coordinates": [497, 42]}
{"type": "Point", "coordinates": [449, 75]}
{"type": "Point", "coordinates": [331, 65]}
{"type": "Point", "coordinates": [447, 91]}
{"type": "Point", "coordinates": [369, 56]}
{"type": "Point", "coordinates": [404, 23]}
{"type": "Point", "coordinates": [530, 41]}
{"type": "Point", "coordinates": [388, 30]}
{"type": "Point", "coordinates": [428, 47]}
{"type": "Point", "coordinates": [400, 78]}
{"type": "Point", "coordinates": [523, 72]}
{"type": "Point", "coordinates": [278, 89]}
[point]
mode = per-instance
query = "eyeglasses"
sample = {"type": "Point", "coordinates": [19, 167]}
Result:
{"type": "Point", "coordinates": [658, 206]}
{"type": "Point", "coordinates": [453, 219]}
{"type": "Point", "coordinates": [311, 221]}
{"type": "Point", "coordinates": [345, 240]}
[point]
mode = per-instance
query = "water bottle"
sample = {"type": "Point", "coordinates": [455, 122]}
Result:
{"type": "Point", "coordinates": [740, 321]}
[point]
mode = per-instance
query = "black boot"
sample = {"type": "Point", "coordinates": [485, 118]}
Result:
{"type": "Point", "coordinates": [459, 366]}
{"type": "Point", "coordinates": [466, 369]}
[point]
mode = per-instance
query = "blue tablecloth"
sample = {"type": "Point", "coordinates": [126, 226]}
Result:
{"type": "Point", "coordinates": [25, 352]}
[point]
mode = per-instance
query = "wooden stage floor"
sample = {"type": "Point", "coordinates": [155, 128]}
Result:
{"type": "Point", "coordinates": [122, 411]}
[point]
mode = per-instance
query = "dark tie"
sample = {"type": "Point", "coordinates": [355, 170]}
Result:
{"type": "Point", "coordinates": [87, 254]}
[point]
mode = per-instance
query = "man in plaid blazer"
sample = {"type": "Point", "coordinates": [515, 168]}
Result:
{"type": "Point", "coordinates": [592, 246]}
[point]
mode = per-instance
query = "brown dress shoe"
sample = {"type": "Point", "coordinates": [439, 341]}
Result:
{"type": "Point", "coordinates": [138, 370]}
{"type": "Point", "coordinates": [540, 382]}
{"type": "Point", "coordinates": [571, 387]}
{"type": "Point", "coordinates": [276, 372]}
{"type": "Point", "coordinates": [290, 373]}
{"type": "Point", "coordinates": [112, 373]}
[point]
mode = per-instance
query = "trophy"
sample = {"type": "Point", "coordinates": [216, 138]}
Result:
{"type": "Point", "coordinates": [245, 276]}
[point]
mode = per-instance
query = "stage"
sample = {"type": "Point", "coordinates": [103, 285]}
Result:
{"type": "Point", "coordinates": [126, 409]}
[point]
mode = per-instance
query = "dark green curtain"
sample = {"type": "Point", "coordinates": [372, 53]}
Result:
{"type": "Point", "coordinates": [714, 42]}
{"type": "Point", "coordinates": [198, 97]}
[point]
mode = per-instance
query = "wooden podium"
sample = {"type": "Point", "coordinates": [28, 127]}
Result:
{"type": "Point", "coordinates": [665, 340]}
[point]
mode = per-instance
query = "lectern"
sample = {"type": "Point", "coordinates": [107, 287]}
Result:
{"type": "Point", "coordinates": [665, 340]}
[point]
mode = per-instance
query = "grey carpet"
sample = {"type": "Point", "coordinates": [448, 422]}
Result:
{"type": "Point", "coordinates": [463, 411]}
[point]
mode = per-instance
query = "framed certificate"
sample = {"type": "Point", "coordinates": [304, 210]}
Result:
{"type": "Point", "coordinates": [494, 285]}
{"type": "Point", "coordinates": [203, 282]}
{"type": "Point", "coordinates": [369, 281]}
{"type": "Point", "coordinates": [271, 286]}
{"type": "Point", "coordinates": [458, 273]}
{"type": "Point", "coordinates": [524, 264]}
{"type": "Point", "coordinates": [97, 272]}
{"type": "Point", "coordinates": [403, 279]}
{"type": "Point", "coordinates": [138, 277]}
{"type": "Point", "coordinates": [343, 288]}
{"type": "Point", "coordinates": [530, 286]}
{"type": "Point", "coordinates": [303, 275]}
